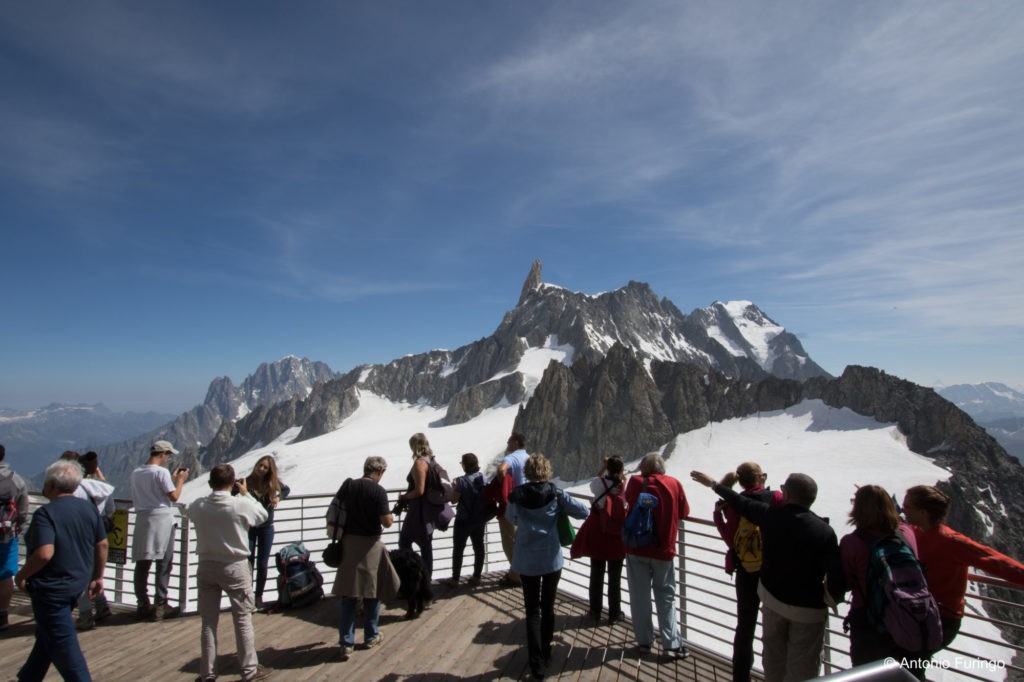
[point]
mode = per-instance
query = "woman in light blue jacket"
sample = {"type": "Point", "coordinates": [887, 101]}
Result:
{"type": "Point", "coordinates": [533, 508]}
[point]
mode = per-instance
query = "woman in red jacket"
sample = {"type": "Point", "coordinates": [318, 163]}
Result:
{"type": "Point", "coordinates": [947, 555]}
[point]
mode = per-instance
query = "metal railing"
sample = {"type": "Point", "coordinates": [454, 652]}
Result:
{"type": "Point", "coordinates": [705, 600]}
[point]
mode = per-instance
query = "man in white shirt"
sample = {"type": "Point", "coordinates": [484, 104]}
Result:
{"type": "Point", "coordinates": [222, 522]}
{"type": "Point", "coordinates": [154, 492]}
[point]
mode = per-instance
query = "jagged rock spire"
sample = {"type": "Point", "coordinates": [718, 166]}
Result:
{"type": "Point", "coordinates": [532, 282]}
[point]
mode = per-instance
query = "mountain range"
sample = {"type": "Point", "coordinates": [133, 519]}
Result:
{"type": "Point", "coordinates": [34, 438]}
{"type": "Point", "coordinates": [996, 407]}
{"type": "Point", "coordinates": [583, 375]}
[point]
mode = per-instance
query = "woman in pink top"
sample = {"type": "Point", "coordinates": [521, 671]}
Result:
{"type": "Point", "coordinates": [874, 515]}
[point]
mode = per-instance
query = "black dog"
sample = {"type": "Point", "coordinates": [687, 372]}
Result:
{"type": "Point", "coordinates": [415, 582]}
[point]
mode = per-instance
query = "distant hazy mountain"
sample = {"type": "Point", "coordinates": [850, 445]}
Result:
{"type": "Point", "coordinates": [34, 438]}
{"type": "Point", "coordinates": [996, 407]}
{"type": "Point", "coordinates": [985, 402]}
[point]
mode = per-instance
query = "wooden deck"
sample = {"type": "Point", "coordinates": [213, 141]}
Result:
{"type": "Point", "coordinates": [467, 634]}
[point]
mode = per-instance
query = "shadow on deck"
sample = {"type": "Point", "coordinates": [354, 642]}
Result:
{"type": "Point", "coordinates": [468, 634]}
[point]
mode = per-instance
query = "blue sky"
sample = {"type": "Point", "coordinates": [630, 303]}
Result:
{"type": "Point", "coordinates": [190, 189]}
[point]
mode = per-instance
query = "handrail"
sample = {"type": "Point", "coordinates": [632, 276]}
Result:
{"type": "Point", "coordinates": [706, 597]}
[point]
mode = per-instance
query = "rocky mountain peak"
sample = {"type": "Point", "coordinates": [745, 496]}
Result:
{"type": "Point", "coordinates": [532, 283]}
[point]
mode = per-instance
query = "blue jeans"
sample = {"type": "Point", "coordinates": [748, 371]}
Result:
{"type": "Point", "coordinates": [56, 641]}
{"type": "Point", "coordinates": [261, 540]}
{"type": "Point", "coordinates": [347, 624]}
{"type": "Point", "coordinates": [644, 576]}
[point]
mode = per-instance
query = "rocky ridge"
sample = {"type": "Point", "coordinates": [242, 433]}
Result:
{"type": "Point", "coordinates": [271, 384]}
{"type": "Point", "coordinates": [738, 339]}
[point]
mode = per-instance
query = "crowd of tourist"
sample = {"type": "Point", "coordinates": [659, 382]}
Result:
{"type": "Point", "coordinates": [786, 561]}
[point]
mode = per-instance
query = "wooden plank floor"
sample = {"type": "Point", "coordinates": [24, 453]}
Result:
{"type": "Point", "coordinates": [467, 634]}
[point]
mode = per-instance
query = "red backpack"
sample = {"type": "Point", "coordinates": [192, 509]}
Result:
{"type": "Point", "coordinates": [612, 513]}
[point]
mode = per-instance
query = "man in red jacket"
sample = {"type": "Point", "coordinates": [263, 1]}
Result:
{"type": "Point", "coordinates": [947, 555]}
{"type": "Point", "coordinates": [652, 567]}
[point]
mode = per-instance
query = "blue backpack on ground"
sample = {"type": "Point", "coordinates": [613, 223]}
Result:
{"type": "Point", "coordinates": [638, 529]}
{"type": "Point", "coordinates": [898, 600]}
{"type": "Point", "coordinates": [299, 583]}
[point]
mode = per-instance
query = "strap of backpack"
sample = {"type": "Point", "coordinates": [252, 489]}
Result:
{"type": "Point", "coordinates": [605, 493]}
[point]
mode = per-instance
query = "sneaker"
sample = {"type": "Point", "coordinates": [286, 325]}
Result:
{"type": "Point", "coordinates": [344, 652]}
{"type": "Point", "coordinates": [678, 653]}
{"type": "Point", "coordinates": [85, 623]}
{"type": "Point", "coordinates": [260, 673]}
{"type": "Point", "coordinates": [510, 581]}
{"type": "Point", "coordinates": [143, 612]}
{"type": "Point", "coordinates": [376, 641]}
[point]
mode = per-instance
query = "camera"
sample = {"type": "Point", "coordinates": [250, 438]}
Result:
{"type": "Point", "coordinates": [400, 507]}
{"type": "Point", "coordinates": [236, 489]}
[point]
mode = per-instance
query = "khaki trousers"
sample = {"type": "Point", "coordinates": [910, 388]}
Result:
{"type": "Point", "coordinates": [235, 580]}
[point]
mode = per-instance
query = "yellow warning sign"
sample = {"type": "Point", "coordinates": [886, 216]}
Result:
{"type": "Point", "coordinates": [117, 538]}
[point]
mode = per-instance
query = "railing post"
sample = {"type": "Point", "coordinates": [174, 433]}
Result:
{"type": "Point", "coordinates": [681, 579]}
{"type": "Point", "coordinates": [184, 554]}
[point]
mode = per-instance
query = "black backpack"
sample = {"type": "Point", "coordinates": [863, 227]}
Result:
{"type": "Point", "coordinates": [299, 583]}
{"type": "Point", "coordinates": [10, 516]}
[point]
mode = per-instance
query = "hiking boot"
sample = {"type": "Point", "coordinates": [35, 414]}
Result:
{"type": "Point", "coordinates": [376, 641]}
{"type": "Point", "coordinates": [260, 673]}
{"type": "Point", "coordinates": [85, 622]}
{"type": "Point", "coordinates": [163, 611]}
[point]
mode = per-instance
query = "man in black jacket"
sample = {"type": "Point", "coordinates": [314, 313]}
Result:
{"type": "Point", "coordinates": [800, 550]}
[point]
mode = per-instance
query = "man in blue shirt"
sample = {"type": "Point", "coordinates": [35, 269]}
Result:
{"type": "Point", "coordinates": [67, 552]}
{"type": "Point", "coordinates": [512, 464]}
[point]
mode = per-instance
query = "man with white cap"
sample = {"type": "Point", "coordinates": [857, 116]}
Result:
{"type": "Point", "coordinates": [154, 492]}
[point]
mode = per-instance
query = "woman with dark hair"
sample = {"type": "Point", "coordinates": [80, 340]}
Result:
{"type": "Point", "coordinates": [743, 560]}
{"type": "Point", "coordinates": [600, 538]}
{"type": "Point", "coordinates": [874, 516]}
{"type": "Point", "coordinates": [534, 508]}
{"type": "Point", "coordinates": [90, 462]}
{"type": "Point", "coordinates": [469, 519]}
{"type": "Point", "coordinates": [948, 554]}
{"type": "Point", "coordinates": [265, 485]}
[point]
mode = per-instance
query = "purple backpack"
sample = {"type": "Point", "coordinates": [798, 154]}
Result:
{"type": "Point", "coordinates": [898, 599]}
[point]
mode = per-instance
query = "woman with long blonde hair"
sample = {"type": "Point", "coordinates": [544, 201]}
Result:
{"type": "Point", "coordinates": [421, 519]}
{"type": "Point", "coordinates": [266, 486]}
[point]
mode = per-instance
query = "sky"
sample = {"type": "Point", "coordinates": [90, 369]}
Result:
{"type": "Point", "coordinates": [190, 189]}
